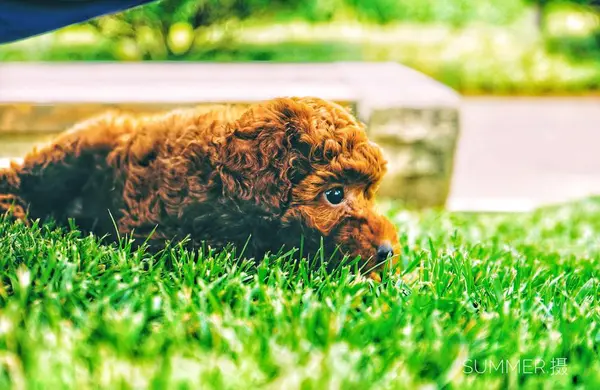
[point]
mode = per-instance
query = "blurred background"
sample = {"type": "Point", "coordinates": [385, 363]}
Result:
{"type": "Point", "coordinates": [528, 72]}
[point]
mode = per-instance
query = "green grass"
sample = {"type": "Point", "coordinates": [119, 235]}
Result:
{"type": "Point", "coordinates": [485, 288]}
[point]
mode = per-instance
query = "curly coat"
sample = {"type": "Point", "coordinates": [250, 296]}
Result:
{"type": "Point", "coordinates": [220, 177]}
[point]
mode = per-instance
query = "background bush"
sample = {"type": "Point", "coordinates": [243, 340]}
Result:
{"type": "Point", "coordinates": [205, 12]}
{"type": "Point", "coordinates": [486, 47]}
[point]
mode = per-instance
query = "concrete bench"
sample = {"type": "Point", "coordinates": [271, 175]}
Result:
{"type": "Point", "coordinates": [414, 118]}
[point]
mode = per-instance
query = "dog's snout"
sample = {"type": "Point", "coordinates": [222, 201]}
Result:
{"type": "Point", "coordinates": [384, 251]}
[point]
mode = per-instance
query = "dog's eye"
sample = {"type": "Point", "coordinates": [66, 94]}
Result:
{"type": "Point", "coordinates": [335, 195]}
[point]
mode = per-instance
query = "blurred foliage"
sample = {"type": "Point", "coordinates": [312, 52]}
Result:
{"type": "Point", "coordinates": [195, 12]}
{"type": "Point", "coordinates": [457, 12]}
{"type": "Point", "coordinates": [475, 47]}
{"type": "Point", "coordinates": [206, 12]}
{"type": "Point", "coordinates": [562, 2]}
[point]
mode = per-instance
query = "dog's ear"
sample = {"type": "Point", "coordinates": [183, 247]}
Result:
{"type": "Point", "coordinates": [264, 153]}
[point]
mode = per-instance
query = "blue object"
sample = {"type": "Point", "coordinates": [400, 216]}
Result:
{"type": "Point", "coordinates": [21, 19]}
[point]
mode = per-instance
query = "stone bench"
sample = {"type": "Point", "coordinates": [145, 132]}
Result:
{"type": "Point", "coordinates": [414, 118]}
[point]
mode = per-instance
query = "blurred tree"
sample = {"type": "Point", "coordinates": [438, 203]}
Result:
{"type": "Point", "coordinates": [541, 6]}
{"type": "Point", "coordinates": [173, 24]}
{"type": "Point", "coordinates": [199, 13]}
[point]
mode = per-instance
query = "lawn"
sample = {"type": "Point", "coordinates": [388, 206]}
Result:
{"type": "Point", "coordinates": [504, 294]}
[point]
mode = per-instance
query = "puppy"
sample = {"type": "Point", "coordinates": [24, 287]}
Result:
{"type": "Point", "coordinates": [267, 176]}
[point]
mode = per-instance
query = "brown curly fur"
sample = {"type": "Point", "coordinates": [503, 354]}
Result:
{"type": "Point", "coordinates": [218, 176]}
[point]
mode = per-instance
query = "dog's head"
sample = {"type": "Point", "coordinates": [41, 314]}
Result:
{"type": "Point", "coordinates": [307, 164]}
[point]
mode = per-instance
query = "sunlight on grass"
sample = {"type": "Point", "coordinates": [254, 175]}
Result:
{"type": "Point", "coordinates": [474, 288]}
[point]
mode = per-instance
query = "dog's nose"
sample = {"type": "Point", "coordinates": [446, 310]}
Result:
{"type": "Point", "coordinates": [384, 251]}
